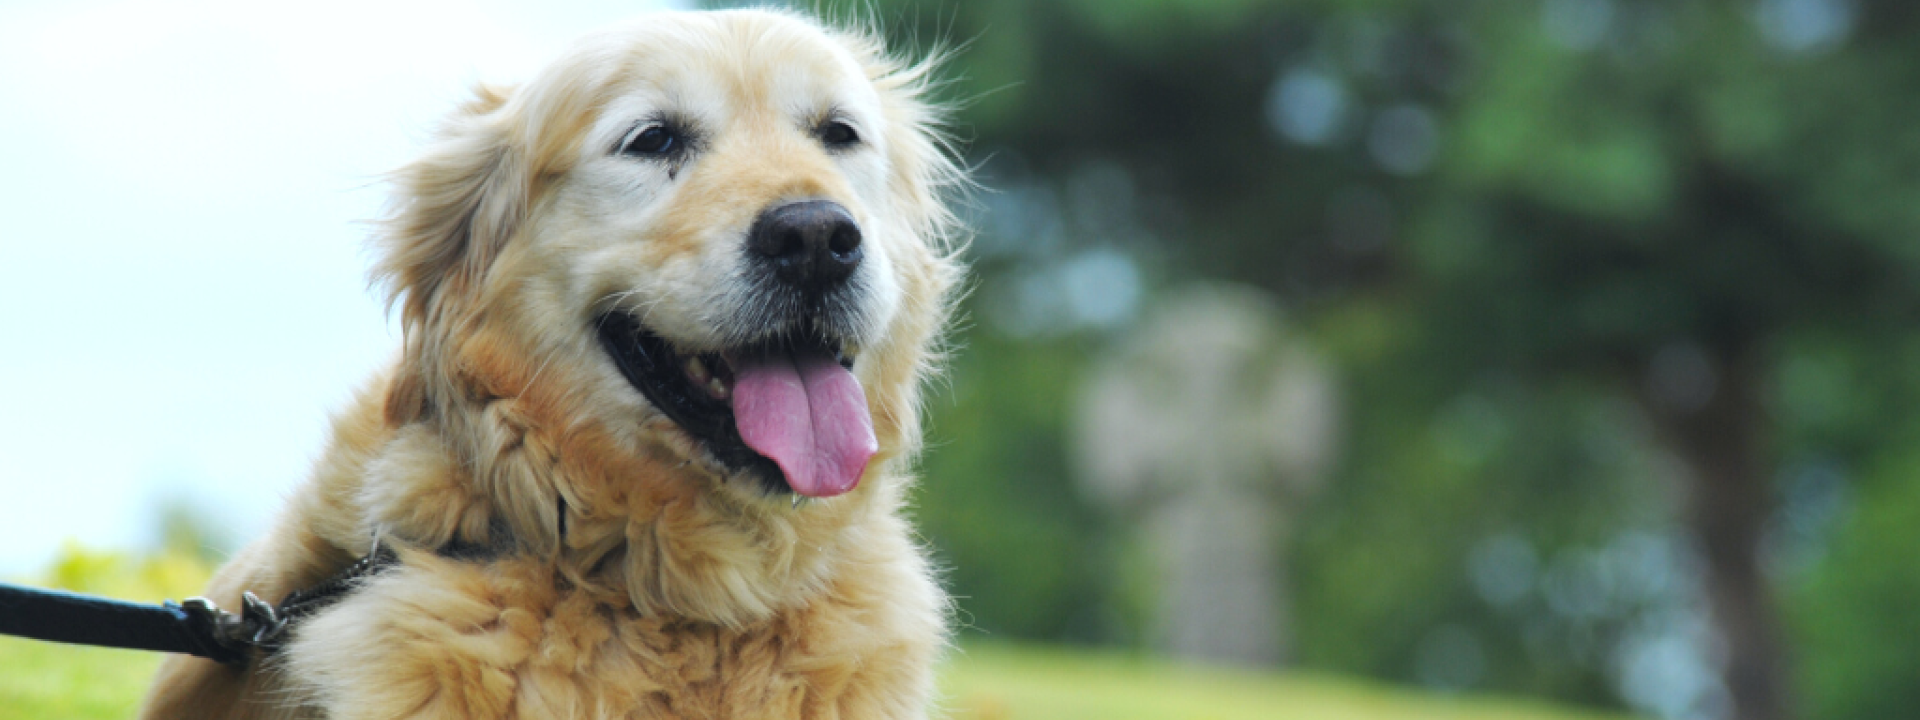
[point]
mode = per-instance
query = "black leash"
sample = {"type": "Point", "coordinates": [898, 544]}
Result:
{"type": "Point", "coordinates": [194, 627]}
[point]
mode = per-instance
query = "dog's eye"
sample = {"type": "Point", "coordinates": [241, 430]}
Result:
{"type": "Point", "coordinates": [653, 140]}
{"type": "Point", "coordinates": [836, 134]}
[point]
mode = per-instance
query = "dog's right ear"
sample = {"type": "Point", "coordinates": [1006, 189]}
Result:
{"type": "Point", "coordinates": [453, 208]}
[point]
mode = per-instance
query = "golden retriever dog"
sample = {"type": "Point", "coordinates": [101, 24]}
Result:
{"type": "Point", "coordinates": [667, 311]}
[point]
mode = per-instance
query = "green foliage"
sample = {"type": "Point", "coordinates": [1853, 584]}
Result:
{"type": "Point", "coordinates": [1855, 611]}
{"type": "Point", "coordinates": [168, 574]}
{"type": "Point", "coordinates": [1701, 178]}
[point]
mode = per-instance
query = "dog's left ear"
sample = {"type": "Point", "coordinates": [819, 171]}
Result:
{"type": "Point", "coordinates": [465, 197]}
{"type": "Point", "coordinates": [454, 207]}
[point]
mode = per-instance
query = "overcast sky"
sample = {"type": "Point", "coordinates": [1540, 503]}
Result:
{"type": "Point", "coordinates": [183, 292]}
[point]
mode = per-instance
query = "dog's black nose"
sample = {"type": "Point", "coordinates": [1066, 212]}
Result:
{"type": "Point", "coordinates": [813, 245]}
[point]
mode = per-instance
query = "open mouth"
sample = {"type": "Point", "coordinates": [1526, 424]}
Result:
{"type": "Point", "coordinates": [787, 412]}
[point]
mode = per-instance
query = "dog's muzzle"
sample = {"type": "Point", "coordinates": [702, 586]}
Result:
{"type": "Point", "coordinates": [779, 402]}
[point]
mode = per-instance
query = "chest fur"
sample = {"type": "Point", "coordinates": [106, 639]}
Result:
{"type": "Point", "coordinates": [438, 638]}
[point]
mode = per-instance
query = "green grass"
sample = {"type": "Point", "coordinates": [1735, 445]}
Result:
{"type": "Point", "coordinates": [43, 681]}
{"type": "Point", "coordinates": [995, 681]}
{"type": "Point", "coordinates": [983, 681]}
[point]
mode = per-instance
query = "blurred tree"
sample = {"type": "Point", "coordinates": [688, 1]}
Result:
{"type": "Point", "coordinates": [191, 529]}
{"type": "Point", "coordinates": [1561, 245]}
{"type": "Point", "coordinates": [1662, 193]}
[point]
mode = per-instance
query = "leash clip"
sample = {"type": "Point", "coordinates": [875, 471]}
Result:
{"type": "Point", "coordinates": [258, 625]}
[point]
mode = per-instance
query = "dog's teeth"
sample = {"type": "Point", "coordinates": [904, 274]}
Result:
{"type": "Point", "coordinates": [717, 389]}
{"type": "Point", "coordinates": [697, 371]}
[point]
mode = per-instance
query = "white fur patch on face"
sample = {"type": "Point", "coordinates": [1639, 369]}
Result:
{"type": "Point", "coordinates": [663, 237]}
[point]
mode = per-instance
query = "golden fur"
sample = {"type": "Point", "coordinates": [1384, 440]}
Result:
{"type": "Point", "coordinates": [641, 581]}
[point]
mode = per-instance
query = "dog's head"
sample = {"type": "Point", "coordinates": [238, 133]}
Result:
{"type": "Point", "coordinates": [688, 274]}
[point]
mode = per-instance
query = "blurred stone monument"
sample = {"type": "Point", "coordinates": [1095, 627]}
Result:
{"type": "Point", "coordinates": [1206, 429]}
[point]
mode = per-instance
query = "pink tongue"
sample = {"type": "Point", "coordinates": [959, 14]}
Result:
{"type": "Point", "coordinates": [808, 414]}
